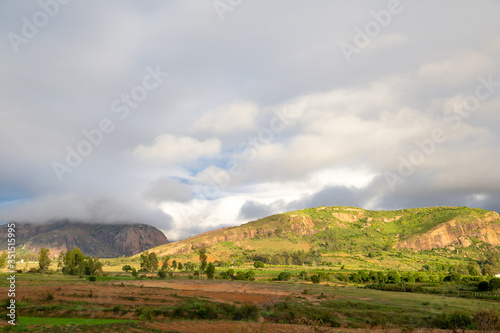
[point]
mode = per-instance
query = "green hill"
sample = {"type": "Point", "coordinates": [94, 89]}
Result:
{"type": "Point", "coordinates": [447, 231]}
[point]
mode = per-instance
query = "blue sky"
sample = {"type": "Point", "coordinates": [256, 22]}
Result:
{"type": "Point", "coordinates": [195, 115]}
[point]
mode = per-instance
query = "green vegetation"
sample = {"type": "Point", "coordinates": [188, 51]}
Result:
{"type": "Point", "coordinates": [149, 262]}
{"type": "Point", "coordinates": [3, 259]}
{"type": "Point", "coordinates": [326, 266]}
{"type": "Point", "coordinates": [67, 321]}
{"type": "Point", "coordinates": [44, 260]}
{"type": "Point", "coordinates": [75, 262]}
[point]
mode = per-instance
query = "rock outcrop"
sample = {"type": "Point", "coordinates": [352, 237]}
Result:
{"type": "Point", "coordinates": [457, 233]}
{"type": "Point", "coordinates": [103, 240]}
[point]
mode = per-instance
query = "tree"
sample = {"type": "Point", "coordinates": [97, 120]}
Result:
{"type": "Point", "coordinates": [44, 260]}
{"type": "Point", "coordinates": [179, 266]}
{"type": "Point", "coordinates": [174, 265]}
{"type": "Point", "coordinates": [494, 284]}
{"type": "Point", "coordinates": [93, 266]}
{"type": "Point", "coordinates": [144, 261]}
{"type": "Point", "coordinates": [126, 268]}
{"type": "Point", "coordinates": [164, 265]}
{"type": "Point", "coordinates": [258, 264]}
{"type": "Point", "coordinates": [210, 270]}
{"type": "Point", "coordinates": [474, 269]}
{"type": "Point", "coordinates": [202, 255]}
{"type": "Point", "coordinates": [153, 262]}
{"type": "Point", "coordinates": [60, 261]}
{"type": "Point", "coordinates": [74, 262]}
{"type": "Point", "coordinates": [394, 277]}
{"type": "Point", "coordinates": [3, 259]}
{"type": "Point", "coordinates": [189, 266]}
{"type": "Point", "coordinates": [149, 262]}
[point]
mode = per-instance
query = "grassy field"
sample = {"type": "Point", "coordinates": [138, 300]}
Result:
{"type": "Point", "coordinates": [39, 321]}
{"type": "Point", "coordinates": [362, 281]}
{"type": "Point", "coordinates": [55, 299]}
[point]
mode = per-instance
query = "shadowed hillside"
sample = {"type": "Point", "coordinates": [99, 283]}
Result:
{"type": "Point", "coordinates": [103, 240]}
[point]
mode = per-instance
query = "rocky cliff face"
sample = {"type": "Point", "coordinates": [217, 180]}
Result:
{"type": "Point", "coordinates": [457, 233]}
{"type": "Point", "coordinates": [355, 229]}
{"type": "Point", "coordinates": [299, 225]}
{"type": "Point", "coordinates": [103, 240]}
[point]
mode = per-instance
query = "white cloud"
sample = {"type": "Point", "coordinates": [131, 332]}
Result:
{"type": "Point", "coordinates": [227, 119]}
{"type": "Point", "coordinates": [457, 69]}
{"type": "Point", "coordinates": [169, 148]}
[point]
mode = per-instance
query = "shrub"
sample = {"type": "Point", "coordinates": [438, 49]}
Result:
{"type": "Point", "coordinates": [453, 277]}
{"type": "Point", "coordinates": [240, 276]}
{"type": "Point", "coordinates": [258, 264]}
{"type": "Point", "coordinates": [487, 321]}
{"type": "Point", "coordinates": [315, 278]}
{"type": "Point", "coordinates": [483, 286]}
{"type": "Point", "coordinates": [455, 321]}
{"type": "Point", "coordinates": [250, 275]}
{"type": "Point", "coordinates": [284, 276]}
{"type": "Point", "coordinates": [494, 284]}
{"type": "Point", "coordinates": [49, 297]}
{"type": "Point", "coordinates": [246, 312]}
{"type": "Point", "coordinates": [146, 313]}
{"type": "Point", "coordinates": [210, 271]}
{"type": "Point", "coordinates": [92, 278]}
{"type": "Point", "coordinates": [393, 277]}
{"type": "Point", "coordinates": [162, 274]}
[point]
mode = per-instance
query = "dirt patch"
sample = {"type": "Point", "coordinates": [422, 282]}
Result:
{"type": "Point", "coordinates": [228, 292]}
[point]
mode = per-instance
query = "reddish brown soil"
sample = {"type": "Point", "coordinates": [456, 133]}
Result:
{"type": "Point", "coordinates": [156, 293]}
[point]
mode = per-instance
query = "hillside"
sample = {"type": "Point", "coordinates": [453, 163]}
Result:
{"type": "Point", "coordinates": [103, 240]}
{"type": "Point", "coordinates": [352, 230]}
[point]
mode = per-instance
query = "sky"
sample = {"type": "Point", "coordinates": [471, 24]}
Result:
{"type": "Point", "coordinates": [195, 115]}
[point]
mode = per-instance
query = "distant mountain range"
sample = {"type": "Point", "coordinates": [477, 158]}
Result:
{"type": "Point", "coordinates": [354, 230]}
{"type": "Point", "coordinates": [103, 240]}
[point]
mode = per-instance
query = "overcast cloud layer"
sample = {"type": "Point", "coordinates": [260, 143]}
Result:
{"type": "Point", "coordinates": [192, 115]}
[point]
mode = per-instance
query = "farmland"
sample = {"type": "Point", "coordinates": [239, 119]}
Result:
{"type": "Point", "coordinates": [187, 303]}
